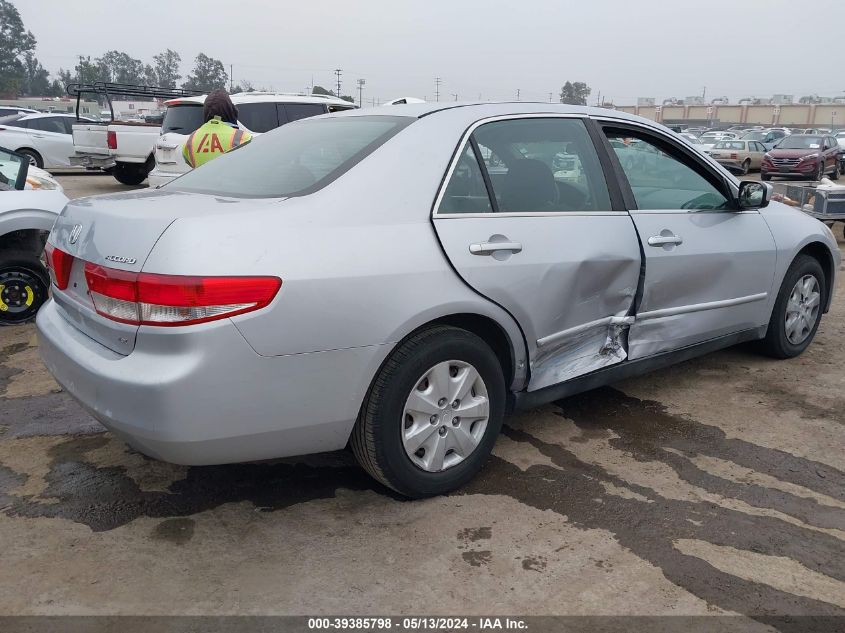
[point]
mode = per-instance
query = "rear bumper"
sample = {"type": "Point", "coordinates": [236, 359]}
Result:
{"type": "Point", "coordinates": [92, 160]}
{"type": "Point", "coordinates": [205, 396]}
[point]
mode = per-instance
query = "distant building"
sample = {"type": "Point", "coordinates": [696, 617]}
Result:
{"type": "Point", "coordinates": [783, 99]}
{"type": "Point", "coordinates": [647, 102]}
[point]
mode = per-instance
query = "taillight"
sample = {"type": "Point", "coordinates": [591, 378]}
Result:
{"type": "Point", "coordinates": [111, 139]}
{"type": "Point", "coordinates": [733, 156]}
{"type": "Point", "coordinates": [169, 300]}
{"type": "Point", "coordinates": [59, 264]}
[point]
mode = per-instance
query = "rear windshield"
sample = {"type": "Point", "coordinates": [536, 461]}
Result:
{"type": "Point", "coordinates": [183, 119]}
{"type": "Point", "coordinates": [293, 160]}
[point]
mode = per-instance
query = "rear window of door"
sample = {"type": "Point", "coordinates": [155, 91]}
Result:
{"type": "Point", "coordinates": [531, 165]}
{"type": "Point", "coordinates": [661, 176]}
{"type": "Point", "coordinates": [48, 124]}
{"type": "Point", "coordinates": [258, 117]}
{"type": "Point", "coordinates": [182, 119]}
{"type": "Point", "coordinates": [296, 111]}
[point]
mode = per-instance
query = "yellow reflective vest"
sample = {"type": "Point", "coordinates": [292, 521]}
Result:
{"type": "Point", "coordinates": [211, 140]}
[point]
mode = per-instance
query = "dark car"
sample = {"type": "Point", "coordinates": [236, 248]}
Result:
{"type": "Point", "coordinates": [811, 156]}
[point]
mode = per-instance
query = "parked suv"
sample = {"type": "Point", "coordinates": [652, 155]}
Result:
{"type": "Point", "coordinates": [812, 156]}
{"type": "Point", "coordinates": [258, 112]}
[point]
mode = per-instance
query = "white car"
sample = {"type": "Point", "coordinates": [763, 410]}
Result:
{"type": "Point", "coordinates": [30, 201]}
{"type": "Point", "coordinates": [44, 138]}
{"type": "Point", "coordinates": [709, 139]}
{"type": "Point", "coordinates": [258, 112]}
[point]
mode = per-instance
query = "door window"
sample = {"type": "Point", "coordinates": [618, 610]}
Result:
{"type": "Point", "coordinates": [466, 191]}
{"type": "Point", "coordinates": [296, 111]}
{"type": "Point", "coordinates": [660, 176]}
{"type": "Point", "coordinates": [48, 124]}
{"type": "Point", "coordinates": [258, 117]}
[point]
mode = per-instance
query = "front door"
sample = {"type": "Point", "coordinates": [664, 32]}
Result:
{"type": "Point", "coordinates": [526, 220]}
{"type": "Point", "coordinates": [709, 268]}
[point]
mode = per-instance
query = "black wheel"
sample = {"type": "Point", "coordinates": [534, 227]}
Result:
{"type": "Point", "coordinates": [765, 176]}
{"type": "Point", "coordinates": [835, 174]}
{"type": "Point", "coordinates": [34, 157]}
{"type": "Point", "coordinates": [746, 166]}
{"type": "Point", "coordinates": [23, 286]}
{"type": "Point", "coordinates": [128, 174]}
{"type": "Point", "coordinates": [820, 171]}
{"type": "Point", "coordinates": [432, 414]}
{"type": "Point", "coordinates": [798, 309]}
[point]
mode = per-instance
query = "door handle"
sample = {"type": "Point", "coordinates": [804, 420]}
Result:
{"type": "Point", "coordinates": [38, 136]}
{"type": "Point", "coordinates": [488, 248]}
{"type": "Point", "coordinates": [663, 240]}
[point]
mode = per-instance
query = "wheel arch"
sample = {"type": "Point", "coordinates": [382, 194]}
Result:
{"type": "Point", "coordinates": [29, 240]}
{"type": "Point", "coordinates": [821, 253]}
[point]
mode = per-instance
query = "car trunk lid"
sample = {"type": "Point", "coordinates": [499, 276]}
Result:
{"type": "Point", "coordinates": [119, 231]}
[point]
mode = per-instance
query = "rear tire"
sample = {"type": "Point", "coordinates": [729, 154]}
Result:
{"type": "Point", "coordinates": [24, 282]}
{"type": "Point", "coordinates": [819, 172]}
{"type": "Point", "coordinates": [34, 157]}
{"type": "Point", "coordinates": [128, 174]}
{"type": "Point", "coordinates": [835, 174]}
{"type": "Point", "coordinates": [746, 167]}
{"type": "Point", "coordinates": [777, 342]}
{"type": "Point", "coordinates": [380, 437]}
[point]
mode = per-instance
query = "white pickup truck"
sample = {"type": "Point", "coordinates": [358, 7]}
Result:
{"type": "Point", "coordinates": [123, 149]}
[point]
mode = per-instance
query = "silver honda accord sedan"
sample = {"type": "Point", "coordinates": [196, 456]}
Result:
{"type": "Point", "coordinates": [399, 280]}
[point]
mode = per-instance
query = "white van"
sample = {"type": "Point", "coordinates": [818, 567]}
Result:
{"type": "Point", "coordinates": [258, 112]}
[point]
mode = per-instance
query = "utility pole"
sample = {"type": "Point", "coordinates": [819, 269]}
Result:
{"type": "Point", "coordinates": [437, 82]}
{"type": "Point", "coordinates": [517, 94]}
{"type": "Point", "coordinates": [454, 94]}
{"type": "Point", "coordinates": [361, 83]}
{"type": "Point", "coordinates": [337, 72]}
{"type": "Point", "coordinates": [550, 97]}
{"type": "Point", "coordinates": [231, 72]}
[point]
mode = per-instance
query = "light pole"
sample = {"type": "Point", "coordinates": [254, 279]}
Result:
{"type": "Point", "coordinates": [361, 83]}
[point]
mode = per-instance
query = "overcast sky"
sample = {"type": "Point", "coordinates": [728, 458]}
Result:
{"type": "Point", "coordinates": [622, 48]}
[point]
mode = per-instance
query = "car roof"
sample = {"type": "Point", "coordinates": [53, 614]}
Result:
{"type": "Point", "coordinates": [266, 97]}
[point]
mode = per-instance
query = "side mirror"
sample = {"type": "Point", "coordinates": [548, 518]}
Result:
{"type": "Point", "coordinates": [753, 194]}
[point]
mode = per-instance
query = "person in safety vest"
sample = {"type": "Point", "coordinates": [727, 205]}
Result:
{"type": "Point", "coordinates": [219, 134]}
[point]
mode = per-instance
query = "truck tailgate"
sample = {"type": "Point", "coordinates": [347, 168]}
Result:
{"type": "Point", "coordinates": [90, 138]}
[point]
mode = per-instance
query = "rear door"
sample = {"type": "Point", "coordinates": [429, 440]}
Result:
{"type": "Point", "coordinates": [258, 117]}
{"type": "Point", "coordinates": [51, 139]}
{"type": "Point", "coordinates": [528, 220]}
{"type": "Point", "coordinates": [709, 268]}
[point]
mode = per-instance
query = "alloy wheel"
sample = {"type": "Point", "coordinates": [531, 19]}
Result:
{"type": "Point", "coordinates": [445, 416]}
{"type": "Point", "coordinates": [802, 309]}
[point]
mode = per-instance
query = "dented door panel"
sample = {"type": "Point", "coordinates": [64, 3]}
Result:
{"type": "Point", "coordinates": [570, 286]}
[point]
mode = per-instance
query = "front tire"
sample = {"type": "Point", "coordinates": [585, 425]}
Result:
{"type": "Point", "coordinates": [23, 286]}
{"type": "Point", "coordinates": [798, 309]}
{"type": "Point", "coordinates": [433, 413]}
{"type": "Point", "coordinates": [746, 167]}
{"type": "Point", "coordinates": [820, 171]}
{"type": "Point", "coordinates": [835, 174]}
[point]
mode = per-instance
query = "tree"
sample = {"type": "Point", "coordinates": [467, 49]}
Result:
{"type": "Point", "coordinates": [36, 79]}
{"type": "Point", "coordinates": [15, 44]}
{"type": "Point", "coordinates": [209, 74]}
{"type": "Point", "coordinates": [165, 69]}
{"type": "Point", "coordinates": [575, 93]}
{"type": "Point", "coordinates": [118, 67]}
{"type": "Point", "coordinates": [87, 72]}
